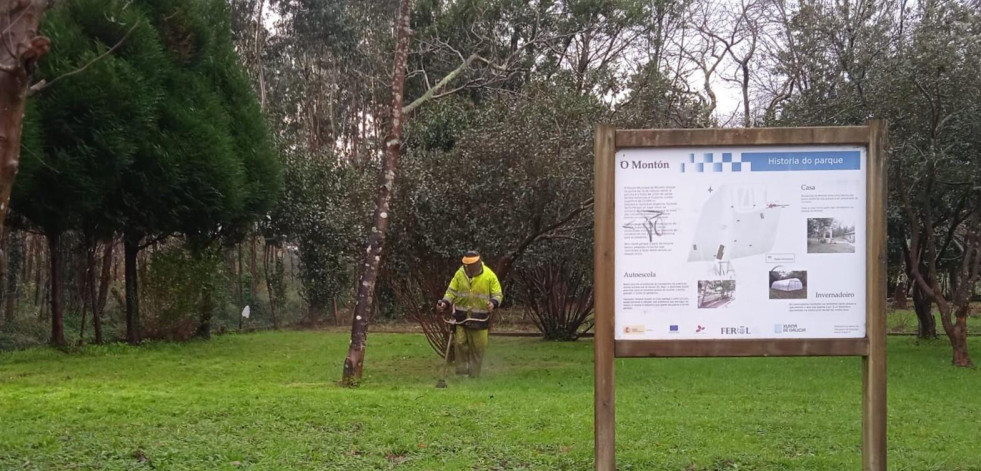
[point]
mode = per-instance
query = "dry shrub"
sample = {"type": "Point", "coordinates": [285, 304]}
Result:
{"type": "Point", "coordinates": [560, 299]}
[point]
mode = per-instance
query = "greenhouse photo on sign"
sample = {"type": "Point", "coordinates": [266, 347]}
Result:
{"type": "Point", "coordinates": [788, 284]}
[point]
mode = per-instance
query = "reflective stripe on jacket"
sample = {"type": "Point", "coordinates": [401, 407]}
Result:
{"type": "Point", "coordinates": [473, 294]}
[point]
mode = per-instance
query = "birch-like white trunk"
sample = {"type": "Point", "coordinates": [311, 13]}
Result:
{"type": "Point", "coordinates": [371, 258]}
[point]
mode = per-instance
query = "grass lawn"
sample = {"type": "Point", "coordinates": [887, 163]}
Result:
{"type": "Point", "coordinates": [841, 246]}
{"type": "Point", "coordinates": [796, 294]}
{"type": "Point", "coordinates": [904, 321]}
{"type": "Point", "coordinates": [268, 401]}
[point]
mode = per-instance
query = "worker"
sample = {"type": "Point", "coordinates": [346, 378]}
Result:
{"type": "Point", "coordinates": [473, 293]}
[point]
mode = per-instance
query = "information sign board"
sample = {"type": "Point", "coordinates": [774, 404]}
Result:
{"type": "Point", "coordinates": [740, 242]}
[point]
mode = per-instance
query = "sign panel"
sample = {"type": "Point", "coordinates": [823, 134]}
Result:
{"type": "Point", "coordinates": [740, 243]}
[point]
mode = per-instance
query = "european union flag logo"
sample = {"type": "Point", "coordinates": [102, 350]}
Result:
{"type": "Point", "coordinates": [674, 328]}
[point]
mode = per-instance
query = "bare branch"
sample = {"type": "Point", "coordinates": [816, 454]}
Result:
{"type": "Point", "coordinates": [422, 72]}
{"type": "Point", "coordinates": [439, 85]}
{"type": "Point", "coordinates": [504, 69]}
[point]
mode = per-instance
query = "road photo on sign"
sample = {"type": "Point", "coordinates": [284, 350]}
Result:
{"type": "Point", "coordinates": [713, 294]}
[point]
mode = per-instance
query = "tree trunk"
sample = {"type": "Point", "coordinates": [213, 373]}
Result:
{"type": "Point", "coordinates": [57, 316]}
{"type": "Point", "coordinates": [258, 55]}
{"type": "Point", "coordinates": [354, 363]}
{"type": "Point", "coordinates": [131, 248]}
{"type": "Point", "coordinates": [958, 338]}
{"type": "Point", "coordinates": [5, 271]}
{"type": "Point", "coordinates": [45, 305]}
{"type": "Point", "coordinates": [19, 20]}
{"type": "Point", "coordinates": [206, 307]}
{"type": "Point", "coordinates": [899, 300]}
{"type": "Point", "coordinates": [745, 86]}
{"type": "Point", "coordinates": [86, 281]}
{"type": "Point", "coordinates": [41, 282]}
{"type": "Point", "coordinates": [15, 259]}
{"type": "Point", "coordinates": [37, 275]}
{"type": "Point", "coordinates": [926, 322]}
{"type": "Point", "coordinates": [26, 270]}
{"type": "Point", "coordinates": [91, 289]}
{"type": "Point", "coordinates": [104, 281]}
{"type": "Point", "coordinates": [10, 302]}
{"type": "Point", "coordinates": [241, 291]}
{"type": "Point", "coordinates": [267, 253]}
{"type": "Point", "coordinates": [254, 272]}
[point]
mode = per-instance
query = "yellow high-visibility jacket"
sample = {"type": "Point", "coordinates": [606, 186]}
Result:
{"type": "Point", "coordinates": [471, 295]}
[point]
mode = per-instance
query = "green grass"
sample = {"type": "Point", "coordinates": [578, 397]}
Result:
{"type": "Point", "coordinates": [903, 321]}
{"type": "Point", "coordinates": [268, 401]}
{"type": "Point", "coordinates": [796, 294]}
{"type": "Point", "coordinates": [841, 246]}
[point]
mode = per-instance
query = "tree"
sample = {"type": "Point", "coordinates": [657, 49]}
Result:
{"type": "Point", "coordinates": [329, 65]}
{"type": "Point", "coordinates": [84, 128]}
{"type": "Point", "coordinates": [224, 173]}
{"type": "Point", "coordinates": [918, 68]}
{"type": "Point", "coordinates": [938, 157]}
{"type": "Point", "coordinates": [509, 172]}
{"type": "Point", "coordinates": [368, 269]}
{"type": "Point", "coordinates": [19, 20]}
{"type": "Point", "coordinates": [657, 101]}
{"type": "Point", "coordinates": [326, 66]}
{"type": "Point", "coordinates": [517, 173]}
{"type": "Point", "coordinates": [513, 178]}
{"type": "Point", "coordinates": [148, 128]}
{"type": "Point", "coordinates": [828, 59]}
{"type": "Point", "coordinates": [320, 211]}
{"type": "Point", "coordinates": [730, 32]}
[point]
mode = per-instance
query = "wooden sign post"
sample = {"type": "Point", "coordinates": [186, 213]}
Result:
{"type": "Point", "coordinates": [677, 162]}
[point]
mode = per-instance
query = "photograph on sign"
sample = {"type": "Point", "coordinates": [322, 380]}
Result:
{"type": "Point", "coordinates": [741, 242]}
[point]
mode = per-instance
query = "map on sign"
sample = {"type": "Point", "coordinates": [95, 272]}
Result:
{"type": "Point", "coordinates": [742, 242]}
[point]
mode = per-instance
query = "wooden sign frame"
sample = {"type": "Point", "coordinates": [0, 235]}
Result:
{"type": "Point", "coordinates": [872, 348]}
